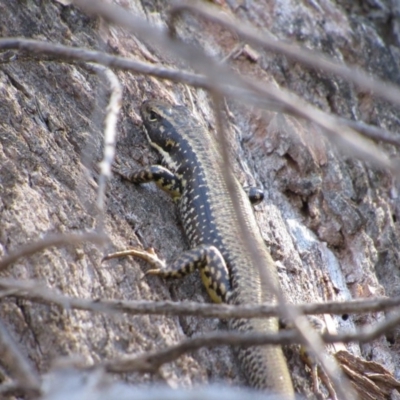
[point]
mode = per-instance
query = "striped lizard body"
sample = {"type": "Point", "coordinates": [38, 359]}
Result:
{"type": "Point", "coordinates": [194, 177]}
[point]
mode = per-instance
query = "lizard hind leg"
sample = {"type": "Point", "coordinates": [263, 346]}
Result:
{"type": "Point", "coordinates": [206, 258]}
{"type": "Point", "coordinates": [211, 264]}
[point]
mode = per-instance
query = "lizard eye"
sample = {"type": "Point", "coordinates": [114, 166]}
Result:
{"type": "Point", "coordinates": [153, 116]}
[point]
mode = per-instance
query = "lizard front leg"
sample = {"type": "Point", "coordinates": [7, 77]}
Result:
{"type": "Point", "coordinates": [163, 177]}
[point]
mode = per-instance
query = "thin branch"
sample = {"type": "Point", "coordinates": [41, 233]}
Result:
{"type": "Point", "coordinates": [69, 54]}
{"type": "Point", "coordinates": [152, 361]}
{"type": "Point", "coordinates": [372, 132]}
{"type": "Point", "coordinates": [310, 58]}
{"type": "Point", "coordinates": [16, 363]}
{"type": "Point", "coordinates": [50, 241]}
{"type": "Point", "coordinates": [266, 273]}
{"type": "Point", "coordinates": [348, 139]}
{"type": "Point", "coordinates": [370, 333]}
{"type": "Point", "coordinates": [268, 279]}
{"type": "Point", "coordinates": [77, 54]}
{"type": "Point", "coordinates": [110, 134]}
{"type": "Point", "coordinates": [37, 291]}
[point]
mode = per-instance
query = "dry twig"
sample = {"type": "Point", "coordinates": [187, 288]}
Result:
{"type": "Point", "coordinates": [70, 54]}
{"type": "Point", "coordinates": [37, 291]}
{"type": "Point", "coordinates": [110, 134]}
{"type": "Point", "coordinates": [152, 361]}
{"type": "Point", "coordinates": [310, 58]}
{"type": "Point", "coordinates": [17, 364]}
{"type": "Point", "coordinates": [50, 241]}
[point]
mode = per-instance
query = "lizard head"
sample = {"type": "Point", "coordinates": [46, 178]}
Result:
{"type": "Point", "coordinates": [164, 125]}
